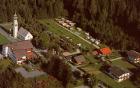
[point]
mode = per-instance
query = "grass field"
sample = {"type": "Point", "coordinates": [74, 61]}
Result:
{"type": "Point", "coordinates": [3, 40]}
{"type": "Point", "coordinates": [123, 63]}
{"type": "Point", "coordinates": [55, 28]}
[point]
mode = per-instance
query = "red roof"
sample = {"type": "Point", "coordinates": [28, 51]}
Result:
{"type": "Point", "coordinates": [105, 51]}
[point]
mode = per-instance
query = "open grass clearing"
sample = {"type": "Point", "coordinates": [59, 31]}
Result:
{"type": "Point", "coordinates": [3, 40]}
{"type": "Point", "coordinates": [55, 28]}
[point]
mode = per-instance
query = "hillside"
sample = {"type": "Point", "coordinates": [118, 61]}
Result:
{"type": "Point", "coordinates": [115, 22]}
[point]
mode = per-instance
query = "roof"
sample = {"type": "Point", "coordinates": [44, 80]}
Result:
{"type": "Point", "coordinates": [20, 53]}
{"type": "Point", "coordinates": [133, 54]}
{"type": "Point", "coordinates": [105, 51]}
{"type": "Point", "coordinates": [79, 59]}
{"type": "Point", "coordinates": [116, 71]}
{"type": "Point", "coordinates": [20, 45]}
{"type": "Point", "coordinates": [20, 48]}
{"type": "Point", "coordinates": [23, 32]}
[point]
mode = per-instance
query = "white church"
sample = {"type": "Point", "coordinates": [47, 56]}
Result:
{"type": "Point", "coordinates": [20, 33]}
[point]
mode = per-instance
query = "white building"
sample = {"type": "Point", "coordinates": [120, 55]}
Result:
{"type": "Point", "coordinates": [20, 33]}
{"type": "Point", "coordinates": [119, 74]}
{"type": "Point", "coordinates": [24, 34]}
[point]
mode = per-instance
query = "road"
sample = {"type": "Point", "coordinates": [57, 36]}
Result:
{"type": "Point", "coordinates": [79, 37]}
{"type": "Point", "coordinates": [117, 59]}
{"type": "Point", "coordinates": [8, 36]}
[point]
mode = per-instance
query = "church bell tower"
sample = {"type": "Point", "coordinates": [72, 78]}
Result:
{"type": "Point", "coordinates": [15, 26]}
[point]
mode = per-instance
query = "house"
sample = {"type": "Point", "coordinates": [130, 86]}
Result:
{"type": "Point", "coordinates": [133, 56]}
{"type": "Point", "coordinates": [94, 53]}
{"type": "Point", "coordinates": [118, 74]}
{"type": "Point", "coordinates": [79, 59]}
{"type": "Point", "coordinates": [24, 34]}
{"type": "Point", "coordinates": [105, 51]}
{"type": "Point", "coordinates": [19, 51]}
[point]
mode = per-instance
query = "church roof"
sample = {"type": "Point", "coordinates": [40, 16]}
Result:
{"type": "Point", "coordinates": [23, 32]}
{"type": "Point", "coordinates": [22, 45]}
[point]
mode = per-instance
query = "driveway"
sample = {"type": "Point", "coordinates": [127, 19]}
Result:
{"type": "Point", "coordinates": [116, 59]}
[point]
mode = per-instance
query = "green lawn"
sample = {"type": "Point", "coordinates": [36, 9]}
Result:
{"type": "Point", "coordinates": [3, 40]}
{"type": "Point", "coordinates": [55, 28]}
{"type": "Point", "coordinates": [123, 63]}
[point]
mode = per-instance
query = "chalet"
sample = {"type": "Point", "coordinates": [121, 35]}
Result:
{"type": "Point", "coordinates": [105, 51]}
{"type": "Point", "coordinates": [133, 56]}
{"type": "Point", "coordinates": [18, 51]}
{"type": "Point", "coordinates": [118, 74]}
{"type": "Point", "coordinates": [79, 59]}
{"type": "Point", "coordinates": [24, 34]}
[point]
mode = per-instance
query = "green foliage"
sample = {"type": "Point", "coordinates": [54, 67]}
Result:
{"type": "Point", "coordinates": [114, 22]}
{"type": "Point", "coordinates": [58, 69]}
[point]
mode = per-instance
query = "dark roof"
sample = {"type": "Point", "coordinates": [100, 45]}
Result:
{"type": "Point", "coordinates": [23, 32]}
{"type": "Point", "coordinates": [20, 45]}
{"type": "Point", "coordinates": [116, 71]}
{"type": "Point", "coordinates": [79, 59]}
{"type": "Point", "coordinates": [133, 54]}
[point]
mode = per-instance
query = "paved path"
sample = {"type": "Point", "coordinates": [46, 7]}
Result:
{"type": "Point", "coordinates": [116, 59]}
{"type": "Point", "coordinates": [27, 74]}
{"type": "Point", "coordinates": [79, 37]}
{"type": "Point", "coordinates": [10, 38]}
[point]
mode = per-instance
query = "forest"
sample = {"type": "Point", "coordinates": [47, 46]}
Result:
{"type": "Point", "coordinates": [115, 22]}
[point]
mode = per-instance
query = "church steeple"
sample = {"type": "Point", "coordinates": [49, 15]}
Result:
{"type": "Point", "coordinates": [15, 25]}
